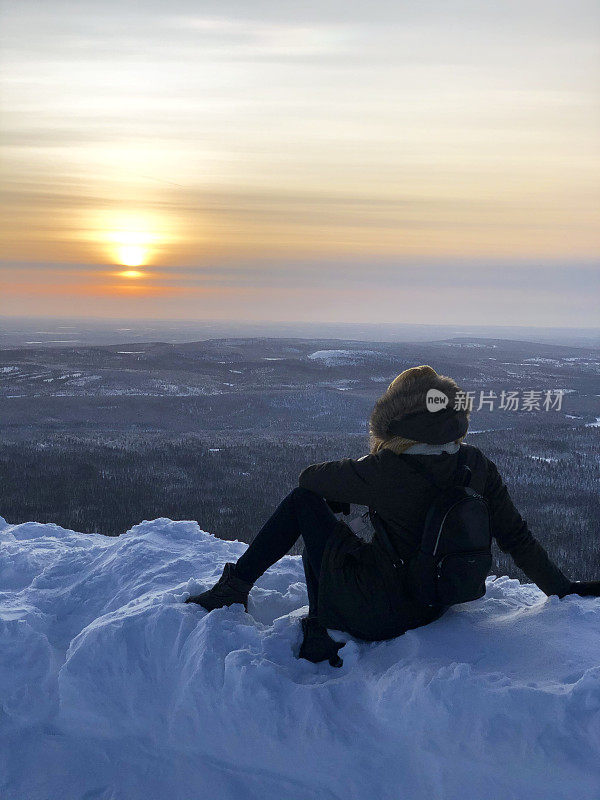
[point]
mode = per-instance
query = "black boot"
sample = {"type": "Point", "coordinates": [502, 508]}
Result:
{"type": "Point", "coordinates": [318, 644]}
{"type": "Point", "coordinates": [228, 590]}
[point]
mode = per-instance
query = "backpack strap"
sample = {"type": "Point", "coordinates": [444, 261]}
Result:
{"type": "Point", "coordinates": [463, 471]}
{"type": "Point", "coordinates": [382, 534]}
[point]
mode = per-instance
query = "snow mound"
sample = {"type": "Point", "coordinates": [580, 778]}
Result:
{"type": "Point", "coordinates": [337, 358]}
{"type": "Point", "coordinates": [112, 688]}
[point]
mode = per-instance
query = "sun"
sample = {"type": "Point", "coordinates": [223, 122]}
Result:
{"type": "Point", "coordinates": [132, 255]}
{"type": "Point", "coordinates": [131, 241]}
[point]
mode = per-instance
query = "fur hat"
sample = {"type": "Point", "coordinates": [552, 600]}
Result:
{"type": "Point", "coordinates": [400, 417]}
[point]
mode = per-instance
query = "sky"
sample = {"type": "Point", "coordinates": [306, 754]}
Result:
{"type": "Point", "coordinates": [424, 162]}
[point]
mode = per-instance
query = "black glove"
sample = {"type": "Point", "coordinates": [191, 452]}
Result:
{"type": "Point", "coordinates": [585, 588]}
{"type": "Point", "coordinates": [337, 507]}
{"type": "Point", "coordinates": [318, 645]}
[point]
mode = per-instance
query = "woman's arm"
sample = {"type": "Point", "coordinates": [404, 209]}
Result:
{"type": "Point", "coordinates": [513, 536]}
{"type": "Point", "coordinates": [347, 481]}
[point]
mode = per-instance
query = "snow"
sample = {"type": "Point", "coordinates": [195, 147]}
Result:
{"type": "Point", "coordinates": [343, 385]}
{"type": "Point", "coordinates": [468, 344]}
{"type": "Point", "coordinates": [112, 687]}
{"type": "Point", "coordinates": [336, 358]}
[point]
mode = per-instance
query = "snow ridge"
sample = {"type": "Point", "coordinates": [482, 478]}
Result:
{"type": "Point", "coordinates": [112, 688]}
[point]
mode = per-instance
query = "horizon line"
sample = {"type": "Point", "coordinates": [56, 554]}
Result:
{"type": "Point", "coordinates": [312, 323]}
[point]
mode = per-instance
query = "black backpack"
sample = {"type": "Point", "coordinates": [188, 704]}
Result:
{"type": "Point", "coordinates": [455, 555]}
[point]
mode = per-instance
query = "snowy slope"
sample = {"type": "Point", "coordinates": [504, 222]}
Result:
{"type": "Point", "coordinates": [112, 688]}
{"type": "Point", "coordinates": [340, 358]}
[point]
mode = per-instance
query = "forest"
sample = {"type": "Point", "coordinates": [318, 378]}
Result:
{"type": "Point", "coordinates": [230, 482]}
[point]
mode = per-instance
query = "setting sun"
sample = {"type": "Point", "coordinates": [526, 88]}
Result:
{"type": "Point", "coordinates": [132, 255]}
{"type": "Point", "coordinates": [130, 239]}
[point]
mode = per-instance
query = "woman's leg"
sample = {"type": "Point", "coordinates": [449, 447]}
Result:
{"type": "Point", "coordinates": [312, 584]}
{"type": "Point", "coordinates": [300, 513]}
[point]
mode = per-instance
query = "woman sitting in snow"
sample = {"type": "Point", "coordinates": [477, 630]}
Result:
{"type": "Point", "coordinates": [353, 585]}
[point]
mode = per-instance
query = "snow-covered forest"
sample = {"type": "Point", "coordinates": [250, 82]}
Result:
{"type": "Point", "coordinates": [97, 438]}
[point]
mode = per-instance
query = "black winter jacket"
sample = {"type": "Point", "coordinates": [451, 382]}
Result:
{"type": "Point", "coordinates": [359, 589]}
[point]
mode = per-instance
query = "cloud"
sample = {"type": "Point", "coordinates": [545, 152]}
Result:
{"type": "Point", "coordinates": [378, 274]}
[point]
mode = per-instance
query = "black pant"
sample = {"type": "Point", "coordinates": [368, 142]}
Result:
{"type": "Point", "coordinates": [300, 513]}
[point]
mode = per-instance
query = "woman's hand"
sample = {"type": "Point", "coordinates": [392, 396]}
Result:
{"type": "Point", "coordinates": [585, 588]}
